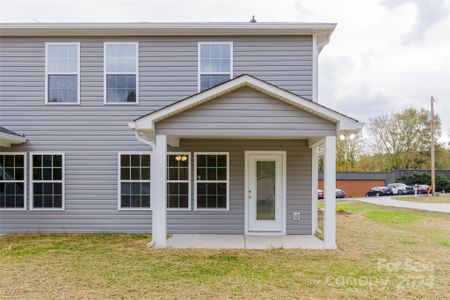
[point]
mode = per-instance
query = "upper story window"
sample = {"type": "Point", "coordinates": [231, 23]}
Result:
{"type": "Point", "coordinates": [215, 63]}
{"type": "Point", "coordinates": [62, 73]}
{"type": "Point", "coordinates": [121, 73]}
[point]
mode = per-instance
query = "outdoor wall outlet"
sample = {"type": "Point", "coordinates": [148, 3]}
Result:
{"type": "Point", "coordinates": [297, 216]}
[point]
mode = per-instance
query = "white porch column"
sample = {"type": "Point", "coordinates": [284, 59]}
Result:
{"type": "Point", "coordinates": [158, 192]}
{"type": "Point", "coordinates": [329, 180]}
{"type": "Point", "coordinates": [314, 188]}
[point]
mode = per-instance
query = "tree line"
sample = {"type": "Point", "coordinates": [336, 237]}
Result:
{"type": "Point", "coordinates": [399, 140]}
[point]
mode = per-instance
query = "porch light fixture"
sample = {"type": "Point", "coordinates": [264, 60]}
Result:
{"type": "Point", "coordinates": [343, 137]}
{"type": "Point", "coordinates": [181, 157]}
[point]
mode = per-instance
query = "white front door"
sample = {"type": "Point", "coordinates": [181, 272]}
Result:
{"type": "Point", "coordinates": [265, 191]}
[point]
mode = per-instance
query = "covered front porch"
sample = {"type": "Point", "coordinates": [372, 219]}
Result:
{"type": "Point", "coordinates": [260, 142]}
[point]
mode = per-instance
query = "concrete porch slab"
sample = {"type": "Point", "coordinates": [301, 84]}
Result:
{"type": "Point", "coordinates": [236, 241]}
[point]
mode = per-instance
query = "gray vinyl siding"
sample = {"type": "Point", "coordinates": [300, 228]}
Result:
{"type": "Point", "coordinates": [246, 112]}
{"type": "Point", "coordinates": [91, 134]}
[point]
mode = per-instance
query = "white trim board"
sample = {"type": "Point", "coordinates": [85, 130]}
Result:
{"type": "Point", "coordinates": [146, 123]}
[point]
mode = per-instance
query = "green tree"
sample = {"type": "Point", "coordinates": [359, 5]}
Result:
{"type": "Point", "coordinates": [404, 138]}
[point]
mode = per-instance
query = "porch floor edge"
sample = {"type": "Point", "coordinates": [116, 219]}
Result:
{"type": "Point", "coordinates": [240, 241]}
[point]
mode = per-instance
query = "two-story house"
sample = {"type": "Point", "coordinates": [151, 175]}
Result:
{"type": "Point", "coordinates": [187, 130]}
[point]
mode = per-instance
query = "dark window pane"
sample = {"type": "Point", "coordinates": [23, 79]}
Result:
{"type": "Point", "coordinates": [9, 161]}
{"type": "Point", "coordinates": [48, 188]}
{"type": "Point", "coordinates": [222, 161]}
{"type": "Point", "coordinates": [37, 173]}
{"type": "Point", "coordinates": [48, 201]}
{"type": "Point", "coordinates": [172, 161]}
{"type": "Point", "coordinates": [38, 201]}
{"type": "Point", "coordinates": [211, 201]}
{"type": "Point", "coordinates": [184, 188]}
{"type": "Point", "coordinates": [221, 201]}
{"type": "Point", "coordinates": [135, 173]}
{"type": "Point", "coordinates": [135, 160]}
{"type": "Point", "coordinates": [221, 174]}
{"type": "Point", "coordinates": [201, 201]}
{"type": "Point", "coordinates": [47, 160]}
{"type": "Point", "coordinates": [145, 160]}
{"type": "Point", "coordinates": [19, 163]}
{"type": "Point", "coordinates": [9, 173]}
{"type": "Point", "coordinates": [47, 173]}
{"type": "Point", "coordinates": [172, 174]}
{"type": "Point", "coordinates": [19, 201]}
{"type": "Point", "coordinates": [19, 188]}
{"type": "Point", "coordinates": [10, 189]}
{"type": "Point", "coordinates": [125, 173]}
{"type": "Point", "coordinates": [201, 188]}
{"type": "Point", "coordinates": [57, 188]}
{"type": "Point", "coordinates": [37, 160]}
{"type": "Point", "coordinates": [211, 188]}
{"type": "Point", "coordinates": [38, 188]}
{"type": "Point", "coordinates": [184, 201]}
{"type": "Point", "coordinates": [201, 160]}
{"type": "Point", "coordinates": [172, 201]}
{"type": "Point", "coordinates": [135, 188]}
{"type": "Point", "coordinates": [10, 201]}
{"type": "Point", "coordinates": [145, 174]}
{"type": "Point", "coordinates": [201, 173]}
{"type": "Point", "coordinates": [19, 174]}
{"type": "Point", "coordinates": [125, 201]}
{"type": "Point", "coordinates": [184, 174]}
{"type": "Point", "coordinates": [57, 161]}
{"type": "Point", "coordinates": [211, 161]}
{"type": "Point", "coordinates": [57, 174]}
{"type": "Point", "coordinates": [172, 188]}
{"type": "Point", "coordinates": [58, 201]}
{"type": "Point", "coordinates": [146, 201]}
{"type": "Point", "coordinates": [222, 188]}
{"type": "Point", "coordinates": [211, 173]}
{"type": "Point", "coordinates": [136, 201]}
{"type": "Point", "coordinates": [63, 88]}
{"type": "Point", "coordinates": [125, 160]}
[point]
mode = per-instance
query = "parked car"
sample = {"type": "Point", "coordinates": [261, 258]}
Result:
{"type": "Point", "coordinates": [340, 194]}
{"type": "Point", "coordinates": [320, 194]}
{"type": "Point", "coordinates": [409, 190]}
{"type": "Point", "coordinates": [377, 191]}
{"type": "Point", "coordinates": [422, 188]}
{"type": "Point", "coordinates": [394, 188]}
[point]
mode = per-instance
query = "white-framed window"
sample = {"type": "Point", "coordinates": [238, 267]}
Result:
{"type": "Point", "coordinates": [178, 180]}
{"type": "Point", "coordinates": [121, 81]}
{"type": "Point", "coordinates": [212, 180]}
{"type": "Point", "coordinates": [13, 180]}
{"type": "Point", "coordinates": [62, 73]}
{"type": "Point", "coordinates": [47, 180]}
{"type": "Point", "coordinates": [215, 63]}
{"type": "Point", "coordinates": [134, 181]}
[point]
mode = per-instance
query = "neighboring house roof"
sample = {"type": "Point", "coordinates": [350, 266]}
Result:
{"type": "Point", "coordinates": [146, 123]}
{"type": "Point", "coordinates": [8, 137]}
{"type": "Point", "coordinates": [322, 31]}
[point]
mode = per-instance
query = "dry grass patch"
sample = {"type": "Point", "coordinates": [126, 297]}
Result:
{"type": "Point", "coordinates": [119, 266]}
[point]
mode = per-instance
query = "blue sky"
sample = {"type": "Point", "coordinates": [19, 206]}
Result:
{"type": "Point", "coordinates": [385, 55]}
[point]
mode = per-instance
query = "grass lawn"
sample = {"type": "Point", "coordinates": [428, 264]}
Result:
{"type": "Point", "coordinates": [425, 199]}
{"type": "Point", "coordinates": [383, 253]}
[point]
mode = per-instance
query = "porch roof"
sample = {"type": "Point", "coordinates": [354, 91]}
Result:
{"type": "Point", "coordinates": [8, 137]}
{"type": "Point", "coordinates": [146, 123]}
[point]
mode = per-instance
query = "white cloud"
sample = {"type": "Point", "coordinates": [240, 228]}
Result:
{"type": "Point", "coordinates": [384, 55]}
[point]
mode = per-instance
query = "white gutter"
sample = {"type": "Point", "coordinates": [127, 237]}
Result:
{"type": "Point", "coordinates": [138, 136]}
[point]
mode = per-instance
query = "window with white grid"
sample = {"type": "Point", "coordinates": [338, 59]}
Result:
{"type": "Point", "coordinates": [178, 180]}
